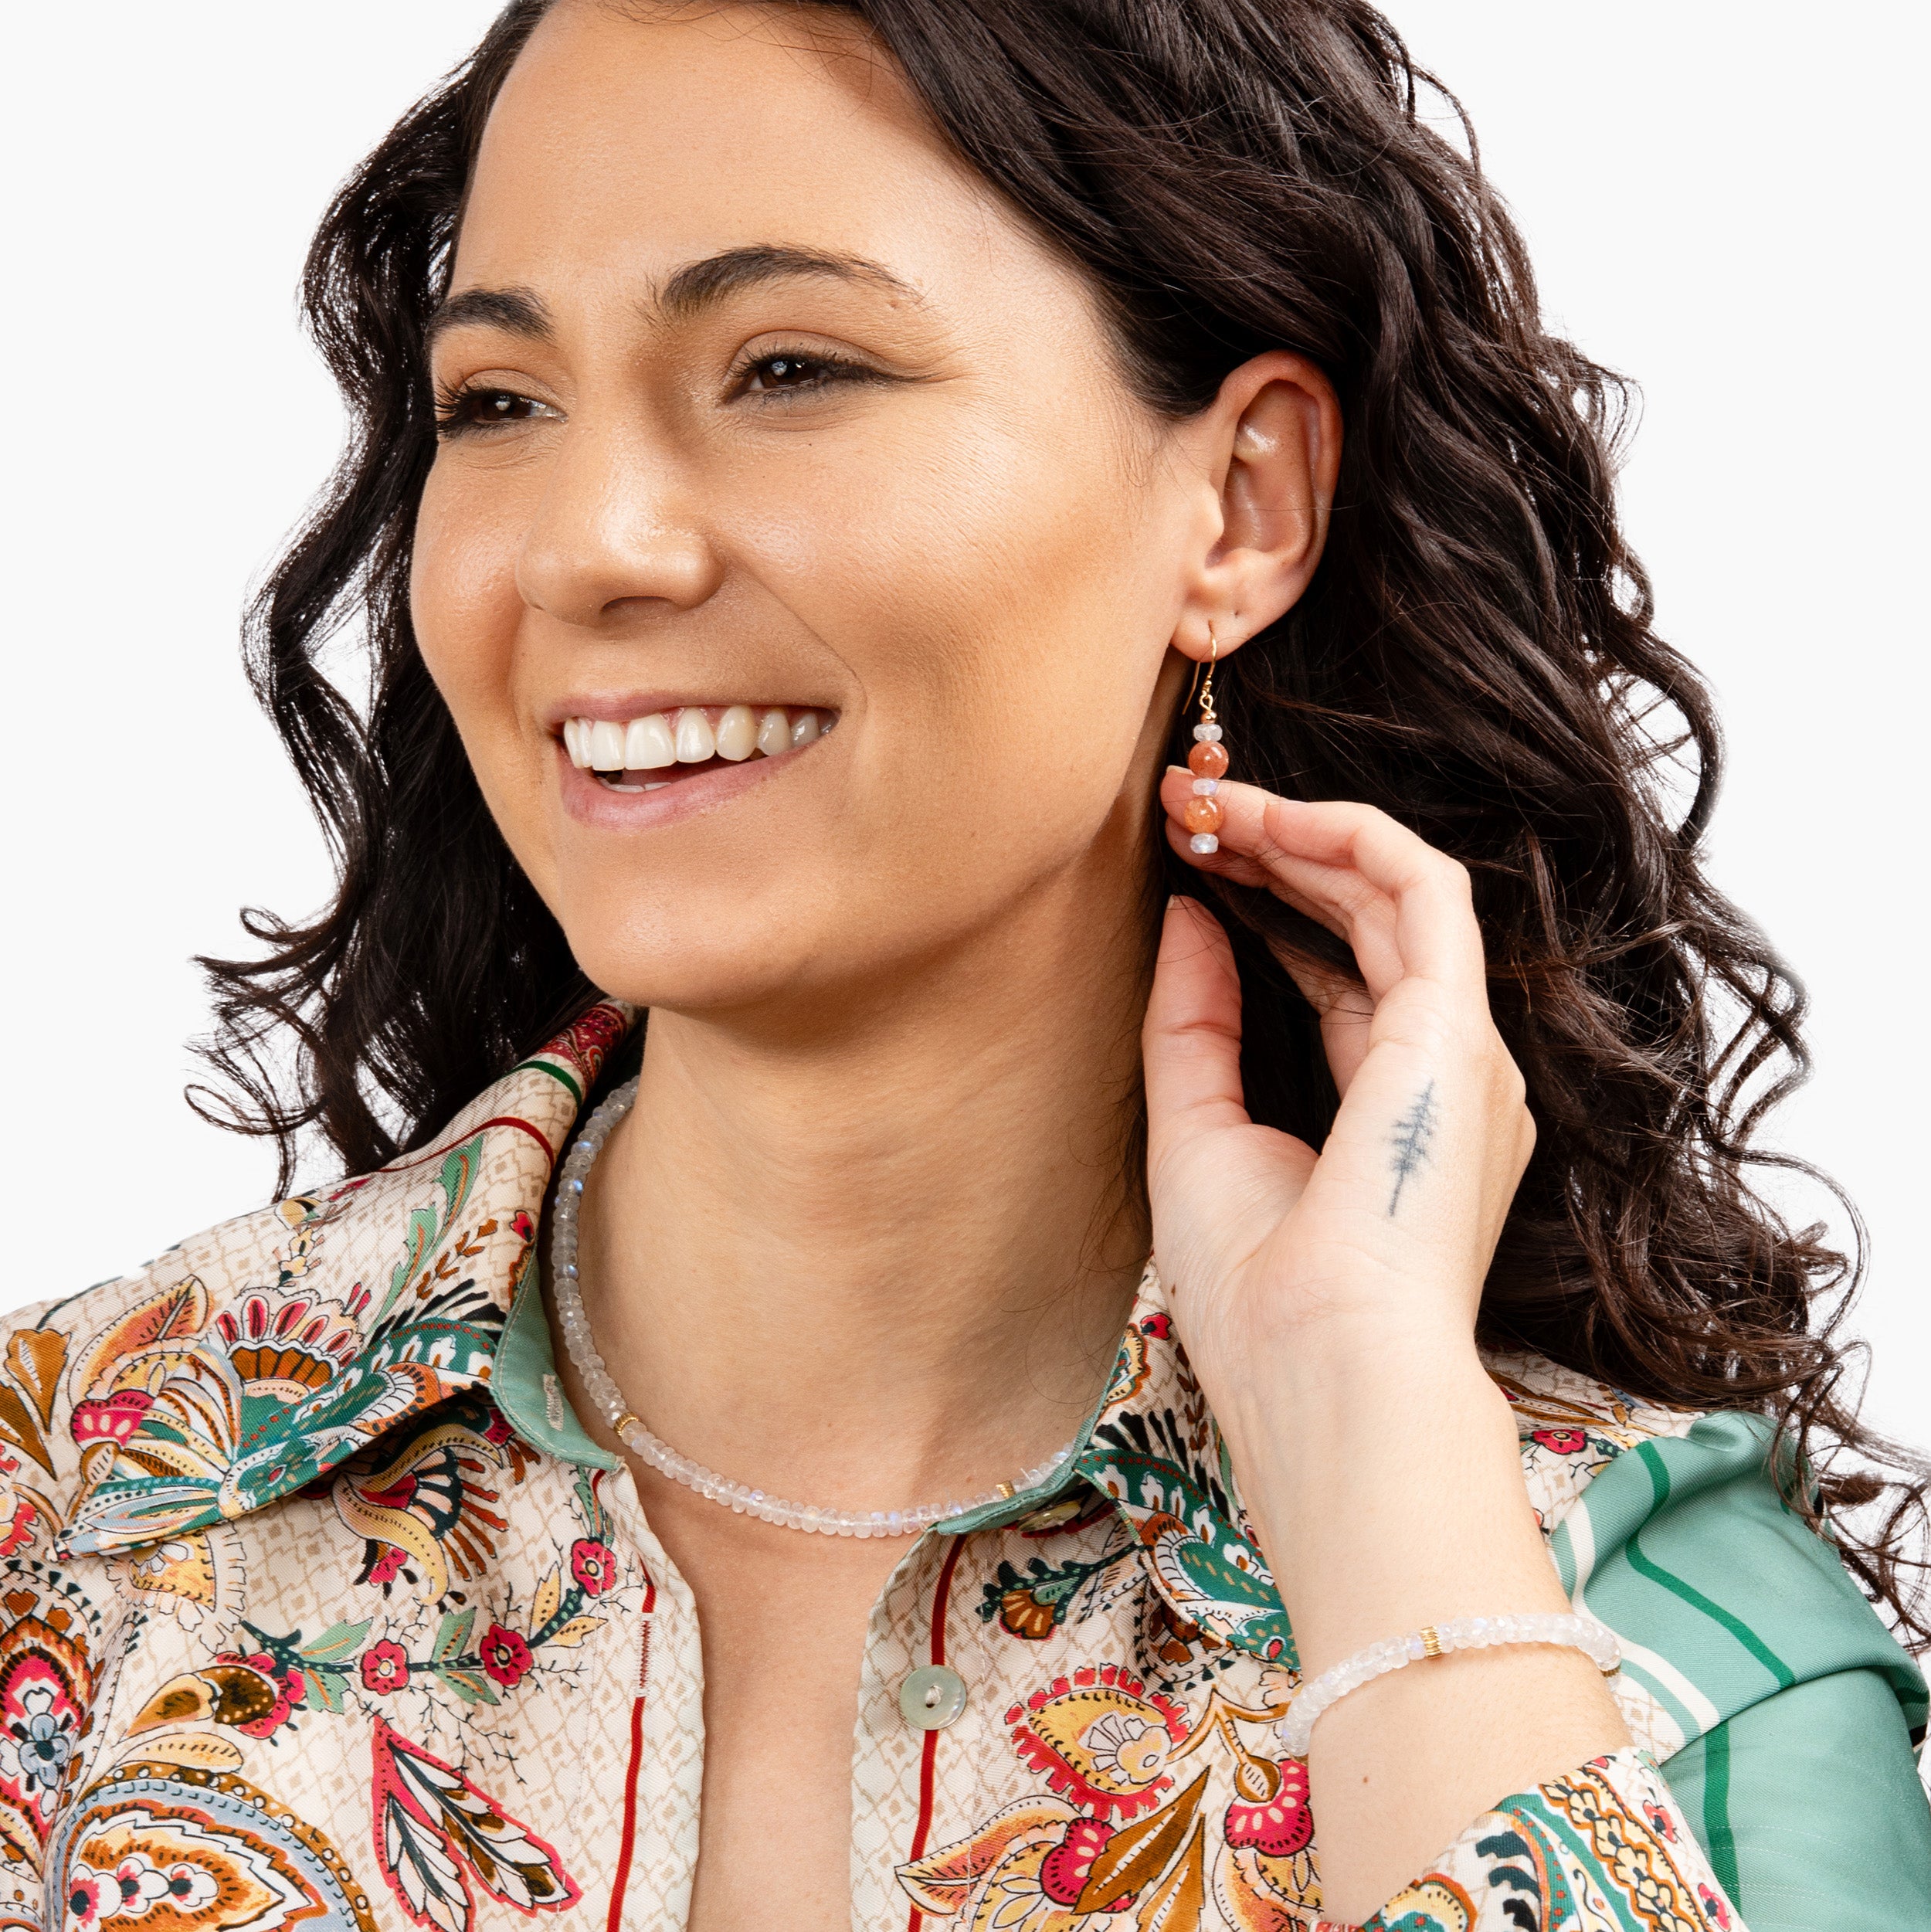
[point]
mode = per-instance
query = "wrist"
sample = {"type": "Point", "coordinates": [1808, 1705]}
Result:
{"type": "Point", "coordinates": [1344, 1381]}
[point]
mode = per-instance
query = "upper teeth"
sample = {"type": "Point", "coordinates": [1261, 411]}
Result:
{"type": "Point", "coordinates": [689, 736]}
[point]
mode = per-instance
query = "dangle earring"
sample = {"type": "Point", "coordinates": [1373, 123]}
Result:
{"type": "Point", "coordinates": [1208, 763]}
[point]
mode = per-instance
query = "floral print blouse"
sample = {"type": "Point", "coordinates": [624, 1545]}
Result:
{"type": "Point", "coordinates": [319, 1608]}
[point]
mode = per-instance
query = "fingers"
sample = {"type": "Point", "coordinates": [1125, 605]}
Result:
{"type": "Point", "coordinates": [1192, 1033]}
{"type": "Point", "coordinates": [1403, 906]}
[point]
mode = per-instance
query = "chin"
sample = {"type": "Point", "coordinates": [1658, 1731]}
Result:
{"type": "Point", "coordinates": [699, 959]}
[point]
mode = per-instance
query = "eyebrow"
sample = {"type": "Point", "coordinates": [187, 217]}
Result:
{"type": "Point", "coordinates": [699, 285]}
{"type": "Point", "coordinates": [694, 288]}
{"type": "Point", "coordinates": [515, 309]}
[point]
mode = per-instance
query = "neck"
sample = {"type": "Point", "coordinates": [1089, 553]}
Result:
{"type": "Point", "coordinates": [872, 1261]}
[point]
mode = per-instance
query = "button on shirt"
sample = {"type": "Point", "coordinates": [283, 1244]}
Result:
{"type": "Point", "coordinates": [318, 1608]}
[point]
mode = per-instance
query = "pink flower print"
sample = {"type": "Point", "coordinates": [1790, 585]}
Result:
{"type": "Point", "coordinates": [87, 1898]}
{"type": "Point", "coordinates": [1660, 1822]}
{"type": "Point", "coordinates": [1070, 1863]}
{"type": "Point", "coordinates": [522, 1226]}
{"type": "Point", "coordinates": [593, 1566]}
{"type": "Point", "coordinates": [1278, 1826]}
{"type": "Point", "coordinates": [114, 1419]}
{"type": "Point", "coordinates": [181, 1888]}
{"type": "Point", "coordinates": [1714, 1909]}
{"type": "Point", "coordinates": [505, 1655]}
{"type": "Point", "coordinates": [1561, 1441]}
{"type": "Point", "coordinates": [385, 1667]}
{"type": "Point", "coordinates": [1157, 1328]}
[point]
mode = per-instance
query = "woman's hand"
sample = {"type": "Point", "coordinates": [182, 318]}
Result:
{"type": "Point", "coordinates": [1327, 1303]}
{"type": "Point", "coordinates": [1391, 1227]}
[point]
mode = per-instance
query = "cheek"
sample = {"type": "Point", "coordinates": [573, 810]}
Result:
{"type": "Point", "coordinates": [1003, 603]}
{"type": "Point", "coordinates": [466, 611]}
{"type": "Point", "coordinates": [463, 603]}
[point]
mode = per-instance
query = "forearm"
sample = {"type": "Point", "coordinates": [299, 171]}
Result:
{"type": "Point", "coordinates": [1382, 1472]}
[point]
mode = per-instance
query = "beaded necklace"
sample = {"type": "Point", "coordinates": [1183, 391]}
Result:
{"type": "Point", "coordinates": [628, 1428]}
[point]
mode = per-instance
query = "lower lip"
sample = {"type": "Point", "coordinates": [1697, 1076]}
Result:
{"type": "Point", "coordinates": [590, 802]}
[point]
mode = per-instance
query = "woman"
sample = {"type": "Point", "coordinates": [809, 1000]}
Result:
{"type": "Point", "coordinates": [819, 471]}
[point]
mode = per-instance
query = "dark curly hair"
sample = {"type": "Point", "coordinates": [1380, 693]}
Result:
{"type": "Point", "coordinates": [1475, 656]}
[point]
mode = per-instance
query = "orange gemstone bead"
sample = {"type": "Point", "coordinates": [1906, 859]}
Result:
{"type": "Point", "coordinates": [1207, 761]}
{"type": "Point", "coordinates": [1203, 814]}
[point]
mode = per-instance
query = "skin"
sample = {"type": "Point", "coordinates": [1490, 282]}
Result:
{"type": "Point", "coordinates": [902, 985]}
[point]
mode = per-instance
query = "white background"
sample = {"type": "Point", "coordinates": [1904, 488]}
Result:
{"type": "Point", "coordinates": [1724, 202]}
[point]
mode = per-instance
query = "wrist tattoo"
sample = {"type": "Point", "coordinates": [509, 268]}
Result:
{"type": "Point", "coordinates": [1411, 1140]}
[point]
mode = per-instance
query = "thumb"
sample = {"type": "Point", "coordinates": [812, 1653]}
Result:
{"type": "Point", "coordinates": [1191, 1039]}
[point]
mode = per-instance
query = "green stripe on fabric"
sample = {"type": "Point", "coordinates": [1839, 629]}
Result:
{"type": "Point", "coordinates": [1651, 1459]}
{"type": "Point", "coordinates": [1688, 1592]}
{"type": "Point", "coordinates": [556, 1073]}
{"type": "Point", "coordinates": [1719, 1839]}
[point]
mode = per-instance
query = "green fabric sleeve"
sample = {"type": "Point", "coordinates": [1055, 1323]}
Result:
{"type": "Point", "coordinates": [1784, 1712]}
{"type": "Point", "coordinates": [1721, 1595]}
{"type": "Point", "coordinates": [1810, 1808]}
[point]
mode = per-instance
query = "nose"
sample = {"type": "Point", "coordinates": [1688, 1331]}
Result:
{"type": "Point", "coordinates": [615, 530]}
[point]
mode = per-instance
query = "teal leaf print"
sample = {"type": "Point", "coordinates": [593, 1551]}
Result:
{"type": "Point", "coordinates": [326, 1685]}
{"type": "Point", "coordinates": [425, 1229]}
{"type": "Point", "coordinates": [452, 1634]}
{"type": "Point", "coordinates": [471, 1686]}
{"type": "Point", "coordinates": [341, 1640]}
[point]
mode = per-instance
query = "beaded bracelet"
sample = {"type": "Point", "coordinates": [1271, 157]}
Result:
{"type": "Point", "coordinates": [1436, 1640]}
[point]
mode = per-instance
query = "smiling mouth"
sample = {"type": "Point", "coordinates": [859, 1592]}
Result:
{"type": "Point", "coordinates": [646, 754]}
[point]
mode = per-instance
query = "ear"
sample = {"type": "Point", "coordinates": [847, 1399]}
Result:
{"type": "Point", "coordinates": [1269, 449]}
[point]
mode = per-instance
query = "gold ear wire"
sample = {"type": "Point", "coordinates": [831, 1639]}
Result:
{"type": "Point", "coordinates": [1206, 689]}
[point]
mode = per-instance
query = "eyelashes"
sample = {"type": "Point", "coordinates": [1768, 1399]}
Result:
{"type": "Point", "coordinates": [465, 411]}
{"type": "Point", "coordinates": [471, 410]}
{"type": "Point", "coordinates": [795, 372]}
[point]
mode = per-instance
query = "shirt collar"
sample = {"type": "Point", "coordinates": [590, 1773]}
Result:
{"type": "Point", "coordinates": [250, 1361]}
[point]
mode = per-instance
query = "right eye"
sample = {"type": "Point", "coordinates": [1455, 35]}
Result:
{"type": "Point", "coordinates": [470, 409]}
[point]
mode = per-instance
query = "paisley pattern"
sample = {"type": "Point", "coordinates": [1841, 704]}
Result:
{"type": "Point", "coordinates": [49, 1638]}
{"type": "Point", "coordinates": [1167, 1470]}
{"type": "Point", "coordinates": [174, 1849]}
{"type": "Point", "coordinates": [317, 1608]}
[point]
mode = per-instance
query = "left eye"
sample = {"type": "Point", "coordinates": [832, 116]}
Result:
{"type": "Point", "coordinates": [484, 409]}
{"type": "Point", "coordinates": [770, 374]}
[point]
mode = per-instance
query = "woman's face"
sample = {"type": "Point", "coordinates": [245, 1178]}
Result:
{"type": "Point", "coordinates": [756, 398]}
